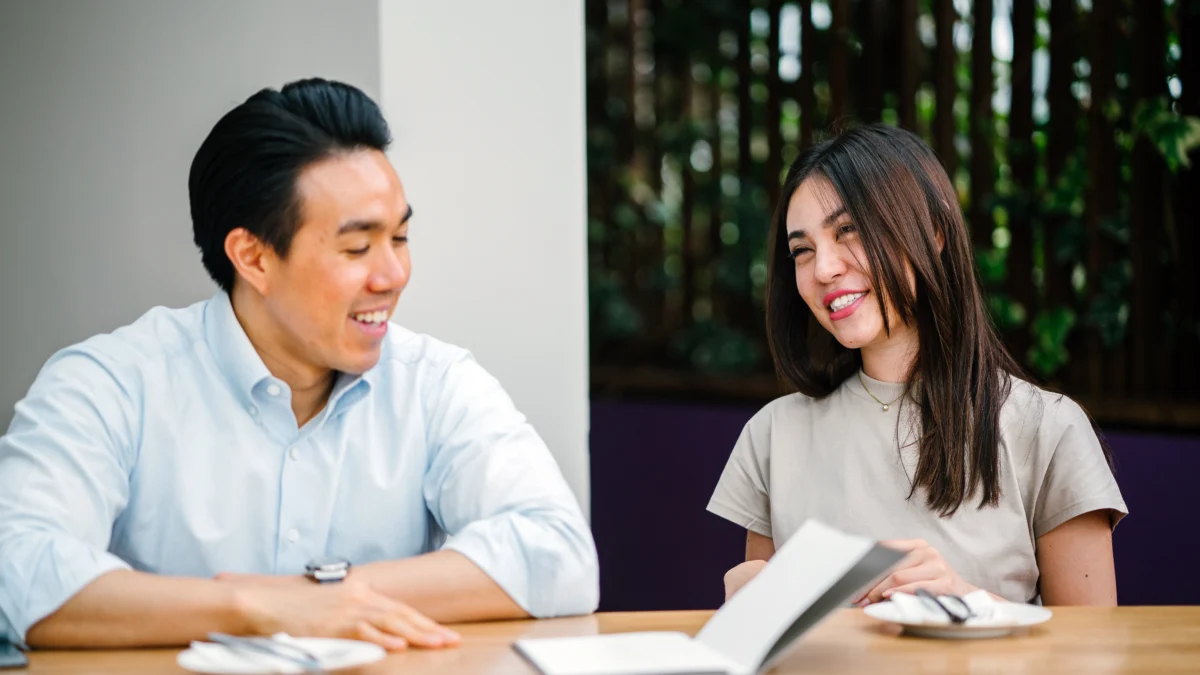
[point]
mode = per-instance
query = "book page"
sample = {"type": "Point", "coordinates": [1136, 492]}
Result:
{"type": "Point", "coordinates": [799, 575]}
{"type": "Point", "coordinates": [650, 653]}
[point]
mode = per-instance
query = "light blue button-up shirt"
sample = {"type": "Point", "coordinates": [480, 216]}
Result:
{"type": "Point", "coordinates": [168, 447]}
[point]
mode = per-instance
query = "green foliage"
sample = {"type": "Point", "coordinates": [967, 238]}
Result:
{"type": "Point", "coordinates": [1109, 312]}
{"type": "Point", "coordinates": [645, 183]}
{"type": "Point", "coordinates": [992, 263]}
{"type": "Point", "coordinates": [1173, 134]}
{"type": "Point", "coordinates": [1050, 329]}
{"type": "Point", "coordinates": [611, 312]}
{"type": "Point", "coordinates": [715, 349]}
{"type": "Point", "coordinates": [1007, 313]}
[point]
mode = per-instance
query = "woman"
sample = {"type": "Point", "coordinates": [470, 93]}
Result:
{"type": "Point", "coordinates": [912, 425]}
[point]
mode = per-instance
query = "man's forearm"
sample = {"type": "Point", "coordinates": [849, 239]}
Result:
{"type": "Point", "coordinates": [136, 609]}
{"type": "Point", "coordinates": [445, 586]}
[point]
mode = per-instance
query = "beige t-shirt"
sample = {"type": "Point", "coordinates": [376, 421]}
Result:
{"type": "Point", "coordinates": [837, 460]}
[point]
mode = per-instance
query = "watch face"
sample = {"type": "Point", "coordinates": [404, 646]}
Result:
{"type": "Point", "coordinates": [323, 575]}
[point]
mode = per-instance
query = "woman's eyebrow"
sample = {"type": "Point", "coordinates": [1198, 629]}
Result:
{"type": "Point", "coordinates": [829, 220]}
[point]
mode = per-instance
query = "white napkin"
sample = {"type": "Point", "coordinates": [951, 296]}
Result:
{"type": "Point", "coordinates": [985, 609]}
{"type": "Point", "coordinates": [209, 657]}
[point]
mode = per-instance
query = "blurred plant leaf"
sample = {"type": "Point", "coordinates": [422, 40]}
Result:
{"type": "Point", "coordinates": [1050, 330]}
{"type": "Point", "coordinates": [1007, 313]}
{"type": "Point", "coordinates": [1109, 311]}
{"type": "Point", "coordinates": [1173, 134]}
{"type": "Point", "coordinates": [714, 348]}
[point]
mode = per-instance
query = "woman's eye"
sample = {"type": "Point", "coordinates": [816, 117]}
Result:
{"type": "Point", "coordinates": [358, 251]}
{"type": "Point", "coordinates": [400, 240]}
{"type": "Point", "coordinates": [797, 252]}
{"type": "Point", "coordinates": [846, 229]}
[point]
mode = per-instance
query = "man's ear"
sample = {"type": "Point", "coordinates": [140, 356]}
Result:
{"type": "Point", "coordinates": [252, 259]}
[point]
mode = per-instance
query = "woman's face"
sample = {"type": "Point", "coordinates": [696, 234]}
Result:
{"type": "Point", "coordinates": [832, 273]}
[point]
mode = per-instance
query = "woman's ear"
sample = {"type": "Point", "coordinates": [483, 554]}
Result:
{"type": "Point", "coordinates": [937, 231]}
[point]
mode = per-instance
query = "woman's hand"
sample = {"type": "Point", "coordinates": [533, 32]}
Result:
{"type": "Point", "coordinates": [741, 575]}
{"type": "Point", "coordinates": [923, 567]}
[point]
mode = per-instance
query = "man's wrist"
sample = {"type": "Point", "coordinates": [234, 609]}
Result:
{"type": "Point", "coordinates": [246, 613]}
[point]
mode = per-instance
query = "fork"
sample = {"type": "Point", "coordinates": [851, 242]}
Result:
{"type": "Point", "coordinates": [289, 652]}
{"type": "Point", "coordinates": [959, 615]}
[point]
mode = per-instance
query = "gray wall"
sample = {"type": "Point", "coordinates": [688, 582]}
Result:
{"type": "Point", "coordinates": [102, 105]}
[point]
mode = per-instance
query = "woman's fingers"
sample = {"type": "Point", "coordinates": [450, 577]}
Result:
{"type": "Point", "coordinates": [904, 545]}
{"type": "Point", "coordinates": [902, 577]}
{"type": "Point", "coordinates": [935, 586]}
{"type": "Point", "coordinates": [905, 563]}
{"type": "Point", "coordinates": [922, 574]}
{"type": "Point", "coordinates": [919, 553]}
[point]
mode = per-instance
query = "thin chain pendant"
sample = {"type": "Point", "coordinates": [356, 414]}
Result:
{"type": "Point", "coordinates": [886, 407]}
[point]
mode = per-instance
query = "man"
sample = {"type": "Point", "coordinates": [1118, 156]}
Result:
{"type": "Point", "coordinates": [222, 467]}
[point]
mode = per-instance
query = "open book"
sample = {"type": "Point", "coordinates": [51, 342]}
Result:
{"type": "Point", "coordinates": [816, 571]}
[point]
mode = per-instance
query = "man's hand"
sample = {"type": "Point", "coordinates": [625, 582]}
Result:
{"type": "Point", "coordinates": [741, 575]}
{"type": "Point", "coordinates": [349, 609]}
{"type": "Point", "coordinates": [923, 567]}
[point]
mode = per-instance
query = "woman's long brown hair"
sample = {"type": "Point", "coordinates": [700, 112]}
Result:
{"type": "Point", "coordinates": [901, 202]}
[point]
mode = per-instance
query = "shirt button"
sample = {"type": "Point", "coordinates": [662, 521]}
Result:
{"type": "Point", "coordinates": [294, 453]}
{"type": "Point", "coordinates": [273, 389]}
{"type": "Point", "coordinates": [252, 410]}
{"type": "Point", "coordinates": [293, 535]}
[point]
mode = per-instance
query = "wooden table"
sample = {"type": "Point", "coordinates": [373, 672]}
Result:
{"type": "Point", "coordinates": [1076, 640]}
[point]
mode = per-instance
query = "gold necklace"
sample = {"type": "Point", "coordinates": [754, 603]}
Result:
{"type": "Point", "coordinates": [886, 406]}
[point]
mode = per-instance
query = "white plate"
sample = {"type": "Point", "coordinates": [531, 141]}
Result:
{"type": "Point", "coordinates": [1008, 618]}
{"type": "Point", "coordinates": [206, 657]}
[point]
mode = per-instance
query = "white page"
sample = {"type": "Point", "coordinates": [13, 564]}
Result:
{"type": "Point", "coordinates": [816, 569]}
{"type": "Point", "coordinates": [813, 560]}
{"type": "Point", "coordinates": [651, 653]}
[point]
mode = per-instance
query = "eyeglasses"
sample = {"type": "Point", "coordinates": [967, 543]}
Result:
{"type": "Point", "coordinates": [953, 605]}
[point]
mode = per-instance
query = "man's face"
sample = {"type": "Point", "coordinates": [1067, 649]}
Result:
{"type": "Point", "coordinates": [348, 262]}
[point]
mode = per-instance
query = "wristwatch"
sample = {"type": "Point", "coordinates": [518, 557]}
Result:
{"type": "Point", "coordinates": [327, 569]}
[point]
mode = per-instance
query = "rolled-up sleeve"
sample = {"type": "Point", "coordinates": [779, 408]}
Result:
{"type": "Point", "coordinates": [495, 489]}
{"type": "Point", "coordinates": [63, 480]}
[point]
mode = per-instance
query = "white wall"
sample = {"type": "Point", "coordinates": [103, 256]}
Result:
{"type": "Point", "coordinates": [102, 106]}
{"type": "Point", "coordinates": [485, 99]}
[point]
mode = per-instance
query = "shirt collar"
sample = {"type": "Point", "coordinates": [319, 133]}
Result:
{"type": "Point", "coordinates": [235, 355]}
{"type": "Point", "coordinates": [348, 390]}
{"type": "Point", "coordinates": [244, 369]}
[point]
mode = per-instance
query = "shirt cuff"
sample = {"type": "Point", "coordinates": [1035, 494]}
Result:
{"type": "Point", "coordinates": [738, 517]}
{"type": "Point", "coordinates": [1116, 508]}
{"type": "Point", "coordinates": [36, 581]}
{"type": "Point", "coordinates": [544, 572]}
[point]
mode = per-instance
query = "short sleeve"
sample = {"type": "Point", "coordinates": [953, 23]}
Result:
{"type": "Point", "coordinates": [1077, 478]}
{"type": "Point", "coordinates": [741, 495]}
